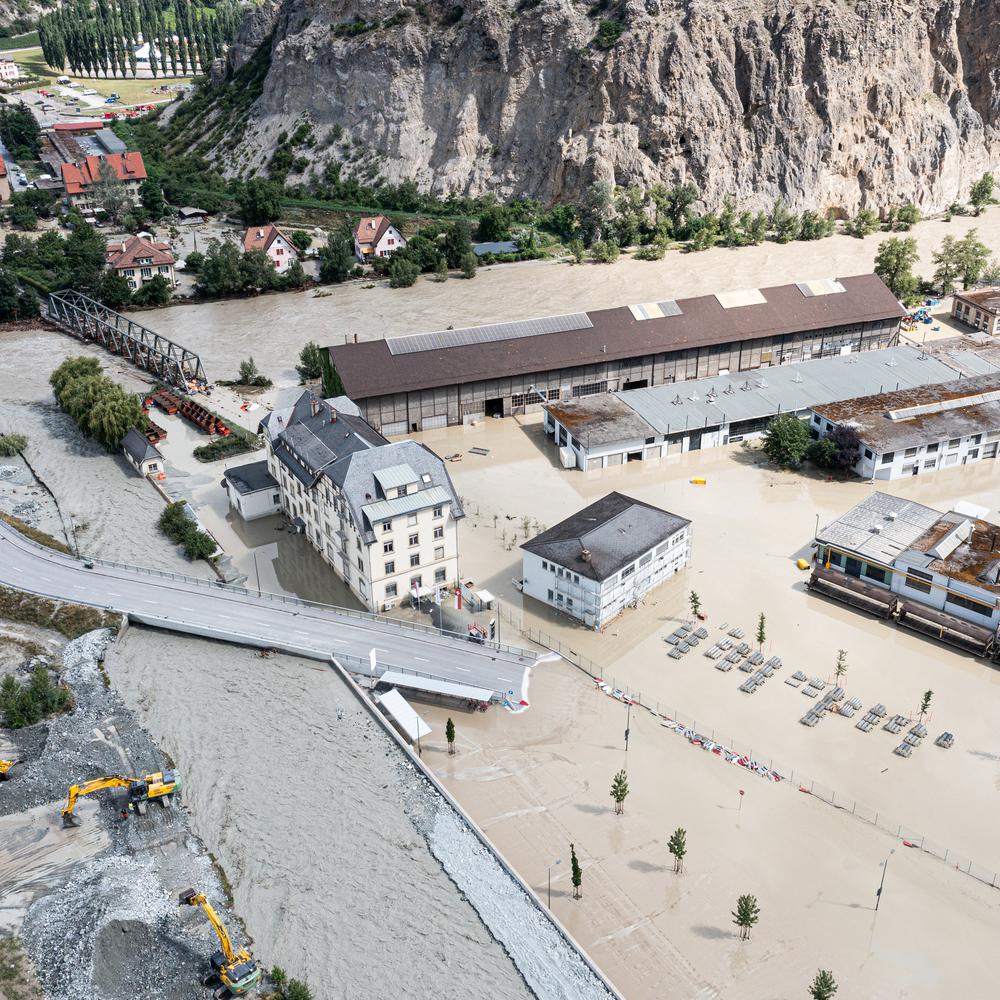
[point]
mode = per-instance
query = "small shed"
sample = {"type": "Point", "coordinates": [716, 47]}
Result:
{"type": "Point", "coordinates": [144, 457]}
{"type": "Point", "coordinates": [189, 215]}
{"type": "Point", "coordinates": [253, 491]}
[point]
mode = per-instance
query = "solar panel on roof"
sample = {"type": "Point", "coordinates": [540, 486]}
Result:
{"type": "Point", "coordinates": [488, 334]}
{"type": "Point", "coordinates": [655, 310]}
{"type": "Point", "coordinates": [822, 286]}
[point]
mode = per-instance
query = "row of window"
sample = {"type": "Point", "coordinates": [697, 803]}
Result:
{"type": "Point", "coordinates": [390, 565]}
{"type": "Point", "coordinates": [411, 519]}
{"type": "Point", "coordinates": [930, 449]}
{"type": "Point", "coordinates": [392, 589]}
{"type": "Point", "coordinates": [414, 539]}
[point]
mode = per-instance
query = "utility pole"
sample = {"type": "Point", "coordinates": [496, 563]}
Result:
{"type": "Point", "coordinates": [628, 719]}
{"type": "Point", "coordinates": [885, 868]}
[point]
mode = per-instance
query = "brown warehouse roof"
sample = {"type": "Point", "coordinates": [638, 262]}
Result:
{"type": "Point", "coordinates": [371, 369]}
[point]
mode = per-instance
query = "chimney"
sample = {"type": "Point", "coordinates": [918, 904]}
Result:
{"type": "Point", "coordinates": [314, 405]}
{"type": "Point", "coordinates": [333, 414]}
{"type": "Point", "coordinates": [585, 555]}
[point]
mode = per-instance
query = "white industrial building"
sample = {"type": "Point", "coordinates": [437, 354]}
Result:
{"type": "Point", "coordinates": [384, 516]}
{"type": "Point", "coordinates": [605, 558]}
{"type": "Point", "coordinates": [918, 431]}
{"type": "Point", "coordinates": [642, 424]}
{"type": "Point", "coordinates": [253, 492]}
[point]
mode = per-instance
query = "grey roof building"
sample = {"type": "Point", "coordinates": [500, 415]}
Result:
{"type": "Point", "coordinates": [142, 456]}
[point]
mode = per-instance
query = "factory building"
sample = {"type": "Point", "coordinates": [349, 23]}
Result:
{"type": "Point", "coordinates": [422, 381]}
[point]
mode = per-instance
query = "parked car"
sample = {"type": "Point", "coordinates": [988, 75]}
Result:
{"type": "Point", "coordinates": [72, 84]}
{"type": "Point", "coordinates": [110, 100]}
{"type": "Point", "coordinates": [89, 92]}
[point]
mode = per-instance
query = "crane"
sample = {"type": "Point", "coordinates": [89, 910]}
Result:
{"type": "Point", "coordinates": [160, 785]}
{"type": "Point", "coordinates": [236, 969]}
{"type": "Point", "coordinates": [5, 766]}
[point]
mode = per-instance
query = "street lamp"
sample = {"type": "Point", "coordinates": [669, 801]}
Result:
{"type": "Point", "coordinates": [553, 865]}
{"type": "Point", "coordinates": [885, 868]}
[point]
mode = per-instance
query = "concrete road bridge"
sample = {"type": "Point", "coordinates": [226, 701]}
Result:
{"type": "Point", "coordinates": [233, 614]}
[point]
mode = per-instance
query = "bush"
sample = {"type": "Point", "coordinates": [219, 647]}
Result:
{"type": "Point", "coordinates": [608, 32]}
{"type": "Point", "coordinates": [227, 447]}
{"type": "Point", "coordinates": [651, 251]}
{"type": "Point", "coordinates": [469, 263]}
{"type": "Point", "coordinates": [787, 441]}
{"type": "Point", "coordinates": [251, 376]}
{"type": "Point", "coordinates": [12, 444]}
{"type": "Point", "coordinates": [179, 528]}
{"type": "Point", "coordinates": [402, 272]}
{"type": "Point", "coordinates": [25, 704]}
{"type": "Point", "coordinates": [605, 251]}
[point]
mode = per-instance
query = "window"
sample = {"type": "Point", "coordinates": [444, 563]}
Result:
{"type": "Point", "coordinates": [817, 419]}
{"type": "Point", "coordinates": [276, 498]}
{"type": "Point", "coordinates": [439, 575]}
{"type": "Point", "coordinates": [147, 272]}
{"type": "Point", "coordinates": [628, 571]}
{"type": "Point", "coordinates": [279, 251]}
{"type": "Point", "coordinates": [416, 581]}
{"type": "Point", "coordinates": [551, 595]}
{"type": "Point", "coordinates": [954, 442]}
{"type": "Point", "coordinates": [876, 573]}
{"type": "Point", "coordinates": [361, 564]}
{"type": "Point", "coordinates": [439, 532]}
{"type": "Point", "coordinates": [438, 512]}
{"type": "Point", "coordinates": [868, 453]}
{"type": "Point", "coordinates": [909, 453]}
{"type": "Point", "coordinates": [888, 457]}
{"type": "Point", "coordinates": [411, 519]}
{"type": "Point", "coordinates": [916, 580]}
{"type": "Point", "coordinates": [439, 552]}
{"type": "Point", "coordinates": [545, 565]}
{"type": "Point", "coordinates": [401, 492]}
{"type": "Point", "coordinates": [932, 448]}
{"type": "Point", "coordinates": [970, 605]}
{"type": "Point", "coordinates": [387, 525]}
{"type": "Point", "coordinates": [390, 567]}
{"type": "Point", "coordinates": [976, 438]}
{"type": "Point", "coordinates": [390, 590]}
{"type": "Point", "coordinates": [415, 539]}
{"type": "Point", "coordinates": [387, 547]}
{"type": "Point", "coordinates": [414, 560]}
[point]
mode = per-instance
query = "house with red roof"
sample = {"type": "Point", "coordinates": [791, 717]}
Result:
{"type": "Point", "coordinates": [278, 247]}
{"type": "Point", "coordinates": [139, 260]}
{"type": "Point", "coordinates": [79, 178]}
{"type": "Point", "coordinates": [376, 236]}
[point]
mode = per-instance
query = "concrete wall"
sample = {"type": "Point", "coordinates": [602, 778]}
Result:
{"type": "Point", "coordinates": [250, 506]}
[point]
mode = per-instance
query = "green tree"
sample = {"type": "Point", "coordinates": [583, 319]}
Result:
{"type": "Point", "coordinates": [705, 232]}
{"type": "Point", "coordinates": [219, 273]}
{"type": "Point", "coordinates": [576, 872]}
{"type": "Point", "coordinates": [907, 216]}
{"type": "Point", "coordinates": [787, 441]}
{"type": "Point", "coordinates": [982, 192]}
{"type": "Point", "coordinates": [310, 364]}
{"type": "Point", "coordinates": [813, 226]}
{"type": "Point", "coordinates": [336, 259]}
{"type": "Point", "coordinates": [894, 265]}
{"type": "Point", "coordinates": [863, 224]}
{"type": "Point", "coordinates": [279, 977]}
{"type": "Point", "coordinates": [972, 256]}
{"type": "Point", "coordinates": [155, 292]}
{"type": "Point", "coordinates": [72, 369]}
{"type": "Point", "coordinates": [746, 915]}
{"type": "Point", "coordinates": [294, 276]}
{"type": "Point", "coordinates": [251, 375]}
{"type": "Point", "coordinates": [823, 986]}
{"type": "Point", "coordinates": [494, 224]}
{"type": "Point", "coordinates": [259, 201]}
{"type": "Point", "coordinates": [761, 634]}
{"type": "Point", "coordinates": [109, 193]}
{"type": "Point", "coordinates": [332, 385]}
{"type": "Point", "coordinates": [457, 243]}
{"type": "Point", "coordinates": [402, 272]}
{"type": "Point", "coordinates": [677, 845]}
{"type": "Point", "coordinates": [619, 791]}
{"type": "Point", "coordinates": [449, 735]}
{"type": "Point", "coordinates": [839, 449]}
{"type": "Point", "coordinates": [469, 265]}
{"type": "Point", "coordinates": [15, 302]}
{"type": "Point", "coordinates": [12, 444]}
{"type": "Point", "coordinates": [784, 224]}
{"type": "Point", "coordinates": [925, 703]}
{"type": "Point", "coordinates": [604, 251]}
{"type": "Point", "coordinates": [301, 240]}
{"type": "Point", "coordinates": [947, 266]}
{"type": "Point", "coordinates": [298, 990]}
{"type": "Point", "coordinates": [841, 668]}
{"type": "Point", "coordinates": [115, 291]}
{"type": "Point", "coordinates": [695, 601]}
{"type": "Point", "coordinates": [577, 249]}
{"type": "Point", "coordinates": [257, 272]}
{"type": "Point", "coordinates": [151, 198]}
{"type": "Point", "coordinates": [991, 273]}
{"type": "Point", "coordinates": [441, 270]}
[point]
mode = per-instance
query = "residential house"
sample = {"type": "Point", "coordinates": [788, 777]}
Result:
{"type": "Point", "coordinates": [144, 457]}
{"type": "Point", "coordinates": [376, 236]}
{"type": "Point", "coordinates": [979, 309]}
{"type": "Point", "coordinates": [912, 432]}
{"type": "Point", "coordinates": [253, 491]}
{"type": "Point", "coordinates": [139, 260]}
{"type": "Point", "coordinates": [79, 178]}
{"type": "Point", "coordinates": [4, 181]}
{"type": "Point", "coordinates": [278, 247]}
{"type": "Point", "coordinates": [384, 516]}
{"type": "Point", "coordinates": [605, 558]}
{"type": "Point", "coordinates": [9, 71]}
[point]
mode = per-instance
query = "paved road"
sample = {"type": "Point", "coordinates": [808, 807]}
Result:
{"type": "Point", "coordinates": [186, 605]}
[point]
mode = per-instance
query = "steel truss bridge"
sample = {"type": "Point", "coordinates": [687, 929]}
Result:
{"type": "Point", "coordinates": [86, 319]}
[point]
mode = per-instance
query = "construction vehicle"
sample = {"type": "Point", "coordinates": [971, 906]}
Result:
{"type": "Point", "coordinates": [160, 786]}
{"type": "Point", "coordinates": [234, 971]}
{"type": "Point", "coordinates": [5, 766]}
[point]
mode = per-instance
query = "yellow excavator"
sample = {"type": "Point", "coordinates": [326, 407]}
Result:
{"type": "Point", "coordinates": [234, 971]}
{"type": "Point", "coordinates": [5, 766]}
{"type": "Point", "coordinates": [160, 786]}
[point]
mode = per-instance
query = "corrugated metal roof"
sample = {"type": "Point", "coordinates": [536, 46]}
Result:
{"type": "Point", "coordinates": [396, 475]}
{"type": "Point", "coordinates": [880, 527]}
{"type": "Point", "coordinates": [382, 510]}
{"type": "Point", "coordinates": [489, 334]}
{"type": "Point", "coordinates": [722, 399]}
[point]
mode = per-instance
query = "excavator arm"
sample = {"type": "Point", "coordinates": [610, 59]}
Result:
{"type": "Point", "coordinates": [5, 766]}
{"type": "Point", "coordinates": [236, 970]}
{"type": "Point", "coordinates": [192, 898]}
{"type": "Point", "coordinates": [96, 785]}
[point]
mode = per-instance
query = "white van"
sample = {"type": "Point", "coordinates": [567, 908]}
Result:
{"type": "Point", "coordinates": [62, 79]}
{"type": "Point", "coordinates": [89, 92]}
{"type": "Point", "coordinates": [72, 83]}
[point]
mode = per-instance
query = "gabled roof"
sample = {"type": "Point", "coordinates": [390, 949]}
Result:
{"type": "Point", "coordinates": [138, 448]}
{"type": "Point", "coordinates": [261, 238]}
{"type": "Point", "coordinates": [370, 229]}
{"type": "Point", "coordinates": [602, 539]}
{"type": "Point", "coordinates": [77, 177]}
{"type": "Point", "coordinates": [126, 253]}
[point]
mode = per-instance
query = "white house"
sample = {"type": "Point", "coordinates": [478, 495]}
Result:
{"type": "Point", "coordinates": [8, 69]}
{"type": "Point", "coordinates": [253, 492]}
{"type": "Point", "coordinates": [376, 236]}
{"type": "Point", "coordinates": [913, 432]}
{"type": "Point", "coordinates": [605, 558]}
{"type": "Point", "coordinates": [279, 249]}
{"type": "Point", "coordinates": [384, 516]}
{"type": "Point", "coordinates": [144, 457]}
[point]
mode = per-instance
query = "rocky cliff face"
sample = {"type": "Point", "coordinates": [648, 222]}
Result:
{"type": "Point", "coordinates": [828, 103]}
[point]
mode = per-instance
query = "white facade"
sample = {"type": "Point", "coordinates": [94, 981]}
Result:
{"type": "Point", "coordinates": [597, 602]}
{"type": "Point", "coordinates": [376, 237]}
{"type": "Point", "coordinates": [281, 253]}
{"type": "Point", "coordinates": [8, 69]}
{"type": "Point", "coordinates": [256, 504]}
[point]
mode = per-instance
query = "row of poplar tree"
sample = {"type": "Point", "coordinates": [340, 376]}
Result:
{"type": "Point", "coordinates": [103, 39]}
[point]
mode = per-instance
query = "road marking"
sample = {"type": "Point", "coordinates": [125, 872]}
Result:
{"type": "Point", "coordinates": [421, 659]}
{"type": "Point", "coordinates": [465, 670]}
{"type": "Point", "coordinates": [45, 578]}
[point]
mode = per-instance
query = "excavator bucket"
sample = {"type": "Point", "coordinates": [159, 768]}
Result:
{"type": "Point", "coordinates": [187, 896]}
{"type": "Point", "coordinates": [69, 820]}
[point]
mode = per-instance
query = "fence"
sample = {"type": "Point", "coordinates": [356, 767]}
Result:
{"type": "Point", "coordinates": [790, 778]}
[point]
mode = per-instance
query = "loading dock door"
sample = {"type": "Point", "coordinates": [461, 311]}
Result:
{"type": "Point", "coordinates": [494, 407]}
{"type": "Point", "coordinates": [639, 383]}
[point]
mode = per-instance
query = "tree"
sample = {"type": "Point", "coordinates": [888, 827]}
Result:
{"type": "Point", "coordinates": [469, 263]}
{"type": "Point", "coordinates": [336, 259]}
{"type": "Point", "coordinates": [151, 198]}
{"type": "Point", "coordinates": [619, 791]}
{"type": "Point", "coordinates": [297, 990]}
{"type": "Point", "coordinates": [925, 703]}
{"type": "Point", "coordinates": [823, 986]}
{"type": "Point", "coordinates": [110, 193]}
{"type": "Point", "coordinates": [894, 265]}
{"type": "Point", "coordinates": [787, 441]}
{"type": "Point", "coordinates": [193, 262]}
{"type": "Point", "coordinates": [332, 385]}
{"type": "Point", "coordinates": [70, 370]}
{"type": "Point", "coordinates": [761, 630]}
{"type": "Point", "coordinates": [155, 292]}
{"type": "Point", "coordinates": [576, 872]}
{"type": "Point", "coordinates": [746, 915]}
{"type": "Point", "coordinates": [991, 273]}
{"type": "Point", "coordinates": [294, 276]}
{"type": "Point", "coordinates": [441, 270]}
{"type": "Point", "coordinates": [310, 364]}
{"type": "Point", "coordinates": [705, 231]}
{"type": "Point", "coordinates": [785, 224]}
{"type": "Point", "coordinates": [251, 375]}
{"type": "Point", "coordinates": [813, 226]}
{"type": "Point", "coordinates": [449, 735]}
{"type": "Point", "coordinates": [115, 291]}
{"type": "Point", "coordinates": [695, 601]}
{"type": "Point", "coordinates": [947, 266]}
{"type": "Point", "coordinates": [15, 302]}
{"type": "Point", "coordinates": [837, 450]}
{"type": "Point", "coordinates": [259, 201]}
{"type": "Point", "coordinates": [257, 272]}
{"type": "Point", "coordinates": [841, 668]}
{"type": "Point", "coordinates": [598, 207]}
{"type": "Point", "coordinates": [907, 216]}
{"type": "Point", "coordinates": [301, 240]}
{"type": "Point", "coordinates": [577, 249]}
{"type": "Point", "coordinates": [402, 272]}
{"type": "Point", "coordinates": [677, 845]}
{"type": "Point", "coordinates": [494, 224]}
{"type": "Point", "coordinates": [972, 256]}
{"type": "Point", "coordinates": [457, 243]}
{"type": "Point", "coordinates": [219, 273]}
{"type": "Point", "coordinates": [20, 131]}
{"type": "Point", "coordinates": [604, 251]}
{"type": "Point", "coordinates": [982, 192]}
{"type": "Point", "coordinates": [863, 224]}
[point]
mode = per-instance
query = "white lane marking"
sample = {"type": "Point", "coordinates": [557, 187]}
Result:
{"type": "Point", "coordinates": [17, 569]}
{"type": "Point", "coordinates": [465, 670]}
{"type": "Point", "coordinates": [45, 578]}
{"type": "Point", "coordinates": [421, 659]}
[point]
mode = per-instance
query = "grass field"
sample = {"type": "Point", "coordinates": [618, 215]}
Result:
{"type": "Point", "coordinates": [130, 91]}
{"type": "Point", "coordinates": [20, 41]}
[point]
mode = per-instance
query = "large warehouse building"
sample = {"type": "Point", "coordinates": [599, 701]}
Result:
{"type": "Point", "coordinates": [422, 381]}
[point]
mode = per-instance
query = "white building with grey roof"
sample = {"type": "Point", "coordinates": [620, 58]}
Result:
{"type": "Point", "coordinates": [384, 516]}
{"type": "Point", "coordinates": [605, 558]}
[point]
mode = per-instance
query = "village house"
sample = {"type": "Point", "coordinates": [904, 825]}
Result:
{"type": "Point", "coordinates": [79, 178]}
{"type": "Point", "coordinates": [139, 260]}
{"type": "Point", "coordinates": [9, 71]}
{"type": "Point", "coordinates": [376, 236]}
{"type": "Point", "coordinates": [253, 492]}
{"type": "Point", "coordinates": [279, 248]}
{"type": "Point", "coordinates": [605, 558]}
{"type": "Point", "coordinates": [384, 516]}
{"type": "Point", "coordinates": [979, 309]}
{"type": "Point", "coordinates": [144, 457]}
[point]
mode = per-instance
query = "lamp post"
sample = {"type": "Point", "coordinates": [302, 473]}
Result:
{"type": "Point", "coordinates": [558, 861]}
{"type": "Point", "coordinates": [885, 868]}
{"type": "Point", "coordinates": [628, 719]}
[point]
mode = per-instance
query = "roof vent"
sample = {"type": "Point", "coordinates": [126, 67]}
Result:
{"type": "Point", "coordinates": [729, 390]}
{"type": "Point", "coordinates": [876, 530]}
{"type": "Point", "coordinates": [891, 516]}
{"type": "Point", "coordinates": [585, 555]}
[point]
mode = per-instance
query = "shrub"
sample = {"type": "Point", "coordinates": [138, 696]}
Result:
{"type": "Point", "coordinates": [25, 704]}
{"type": "Point", "coordinates": [179, 528]}
{"type": "Point", "coordinates": [402, 272]}
{"type": "Point", "coordinates": [12, 444]}
{"type": "Point", "coordinates": [250, 375]}
{"type": "Point", "coordinates": [605, 251]}
{"type": "Point", "coordinates": [608, 32]}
